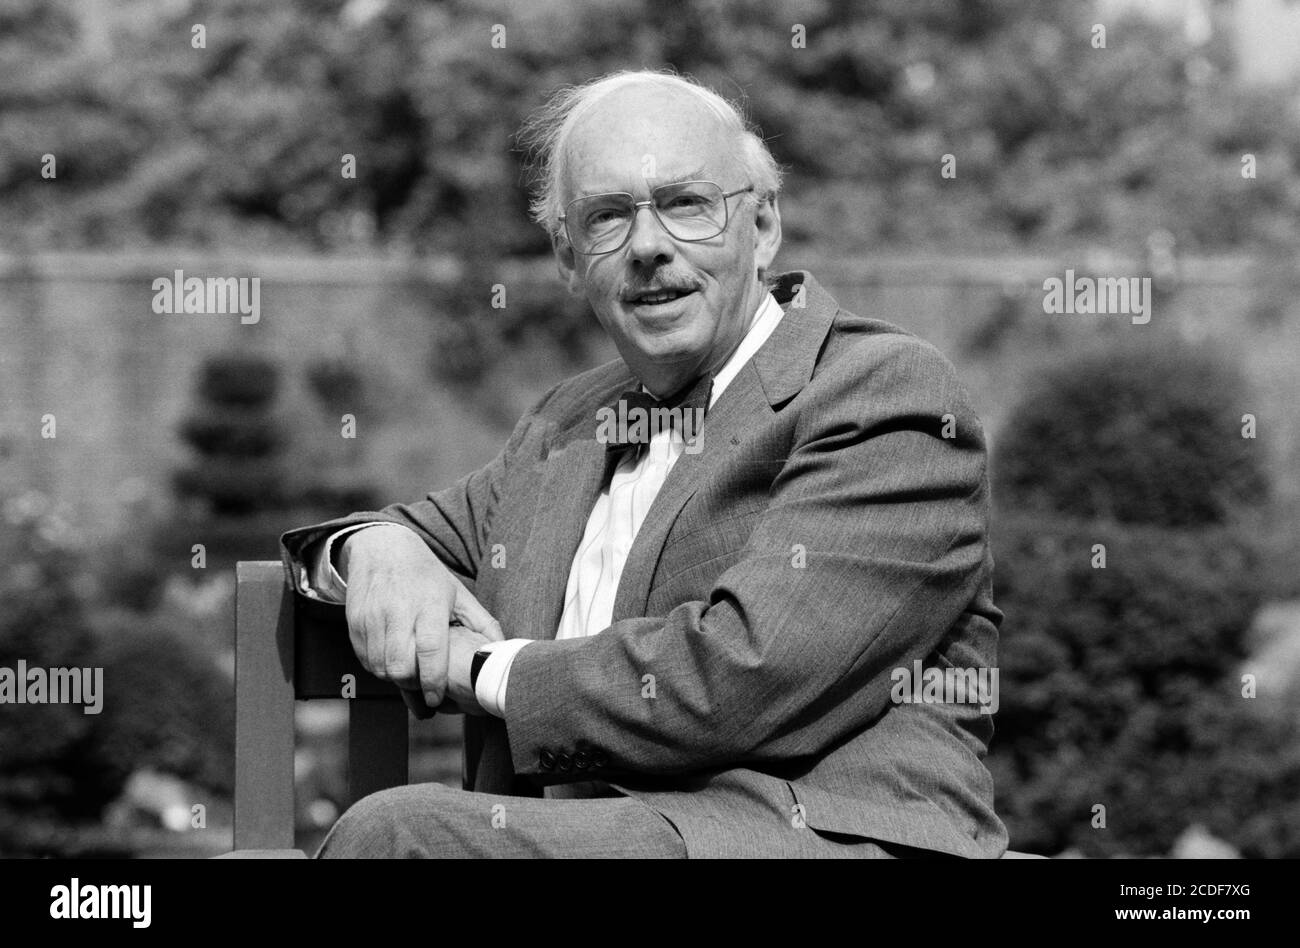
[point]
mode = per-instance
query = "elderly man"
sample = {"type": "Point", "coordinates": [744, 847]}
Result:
{"type": "Point", "coordinates": [673, 639]}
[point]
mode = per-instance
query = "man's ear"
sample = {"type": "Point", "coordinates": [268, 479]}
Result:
{"type": "Point", "coordinates": [566, 262]}
{"type": "Point", "coordinates": [767, 227]}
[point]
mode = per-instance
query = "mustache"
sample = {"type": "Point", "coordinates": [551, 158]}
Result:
{"type": "Point", "coordinates": [661, 284]}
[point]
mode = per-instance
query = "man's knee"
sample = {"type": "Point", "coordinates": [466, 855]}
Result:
{"type": "Point", "coordinates": [380, 825]}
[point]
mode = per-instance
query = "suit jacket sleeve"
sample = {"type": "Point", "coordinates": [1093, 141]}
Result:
{"type": "Point", "coordinates": [454, 522]}
{"type": "Point", "coordinates": [884, 492]}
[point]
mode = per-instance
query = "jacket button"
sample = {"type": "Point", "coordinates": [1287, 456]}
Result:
{"type": "Point", "coordinates": [599, 760]}
{"type": "Point", "coordinates": [546, 758]}
{"type": "Point", "coordinates": [564, 761]}
{"type": "Point", "coordinates": [582, 760]}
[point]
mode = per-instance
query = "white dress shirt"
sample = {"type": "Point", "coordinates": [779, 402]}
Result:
{"type": "Point", "coordinates": [613, 525]}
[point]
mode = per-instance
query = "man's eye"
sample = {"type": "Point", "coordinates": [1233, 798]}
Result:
{"type": "Point", "coordinates": [686, 206]}
{"type": "Point", "coordinates": [605, 215]}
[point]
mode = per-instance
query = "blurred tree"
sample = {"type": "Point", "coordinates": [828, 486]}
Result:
{"type": "Point", "coordinates": [245, 461]}
{"type": "Point", "coordinates": [236, 437]}
{"type": "Point", "coordinates": [1117, 688]}
{"type": "Point", "coordinates": [172, 710]}
{"type": "Point", "coordinates": [163, 702]}
{"type": "Point", "coordinates": [1140, 434]}
{"type": "Point", "coordinates": [1129, 570]}
{"type": "Point", "coordinates": [1056, 143]}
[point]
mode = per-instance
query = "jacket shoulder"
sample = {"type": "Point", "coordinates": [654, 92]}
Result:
{"type": "Point", "coordinates": [871, 354]}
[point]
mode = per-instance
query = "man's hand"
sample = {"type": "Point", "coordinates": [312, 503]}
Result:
{"type": "Point", "coordinates": [460, 697]}
{"type": "Point", "coordinates": [400, 600]}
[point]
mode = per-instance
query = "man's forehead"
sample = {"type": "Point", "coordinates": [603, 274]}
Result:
{"type": "Point", "coordinates": [639, 141]}
{"type": "Point", "coordinates": [600, 184]}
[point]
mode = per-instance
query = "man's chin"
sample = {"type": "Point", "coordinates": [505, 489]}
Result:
{"type": "Point", "coordinates": [663, 351]}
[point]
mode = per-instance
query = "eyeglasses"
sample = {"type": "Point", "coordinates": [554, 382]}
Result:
{"type": "Point", "coordinates": [690, 211]}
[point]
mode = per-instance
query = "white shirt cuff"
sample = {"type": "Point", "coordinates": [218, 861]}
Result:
{"type": "Point", "coordinates": [324, 581]}
{"type": "Point", "coordinates": [490, 689]}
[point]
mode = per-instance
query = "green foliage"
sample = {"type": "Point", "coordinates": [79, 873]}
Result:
{"type": "Point", "coordinates": [1139, 434]}
{"type": "Point", "coordinates": [1118, 687]}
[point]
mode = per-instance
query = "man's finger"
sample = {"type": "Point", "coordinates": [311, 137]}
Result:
{"type": "Point", "coordinates": [431, 653]}
{"type": "Point", "coordinates": [399, 652]}
{"type": "Point", "coordinates": [417, 705]}
{"type": "Point", "coordinates": [374, 629]}
{"type": "Point", "coordinates": [474, 616]}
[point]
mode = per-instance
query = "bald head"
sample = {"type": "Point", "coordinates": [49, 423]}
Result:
{"type": "Point", "coordinates": [651, 107]}
{"type": "Point", "coordinates": [651, 135]}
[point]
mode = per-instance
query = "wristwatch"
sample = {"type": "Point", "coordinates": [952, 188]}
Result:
{"type": "Point", "coordinates": [476, 665]}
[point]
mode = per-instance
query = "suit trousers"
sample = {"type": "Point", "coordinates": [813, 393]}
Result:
{"type": "Point", "coordinates": [432, 821]}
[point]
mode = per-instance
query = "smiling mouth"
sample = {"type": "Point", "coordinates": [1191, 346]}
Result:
{"type": "Point", "coordinates": [659, 297]}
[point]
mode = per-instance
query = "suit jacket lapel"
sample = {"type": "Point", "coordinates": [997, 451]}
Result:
{"type": "Point", "coordinates": [777, 372]}
{"type": "Point", "coordinates": [572, 475]}
{"type": "Point", "coordinates": [571, 482]}
{"type": "Point", "coordinates": [736, 410]}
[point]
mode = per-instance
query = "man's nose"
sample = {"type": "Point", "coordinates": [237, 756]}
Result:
{"type": "Point", "coordinates": [649, 243]}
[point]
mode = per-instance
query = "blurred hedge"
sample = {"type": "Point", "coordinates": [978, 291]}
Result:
{"type": "Point", "coordinates": [166, 704]}
{"type": "Point", "coordinates": [1118, 687]}
{"type": "Point", "coordinates": [238, 441]}
{"type": "Point", "coordinates": [1138, 433]}
{"type": "Point", "coordinates": [168, 707]}
{"type": "Point", "coordinates": [1120, 682]}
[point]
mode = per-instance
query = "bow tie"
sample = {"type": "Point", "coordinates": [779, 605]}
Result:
{"type": "Point", "coordinates": [636, 420]}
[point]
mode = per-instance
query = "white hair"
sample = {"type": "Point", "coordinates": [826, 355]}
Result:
{"type": "Point", "coordinates": [546, 132]}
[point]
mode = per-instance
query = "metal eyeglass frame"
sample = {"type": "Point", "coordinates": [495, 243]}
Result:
{"type": "Point", "coordinates": [636, 207]}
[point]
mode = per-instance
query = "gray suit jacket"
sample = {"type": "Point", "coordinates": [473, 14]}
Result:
{"type": "Point", "coordinates": [832, 529]}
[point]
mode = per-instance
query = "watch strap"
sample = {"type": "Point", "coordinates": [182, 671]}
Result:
{"type": "Point", "coordinates": [476, 665]}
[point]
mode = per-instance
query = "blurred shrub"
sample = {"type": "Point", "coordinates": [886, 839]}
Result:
{"type": "Point", "coordinates": [168, 707]}
{"type": "Point", "coordinates": [232, 485]}
{"type": "Point", "coordinates": [230, 433]}
{"type": "Point", "coordinates": [235, 435]}
{"type": "Point", "coordinates": [1117, 688]}
{"type": "Point", "coordinates": [337, 383]}
{"type": "Point", "coordinates": [239, 379]}
{"type": "Point", "coordinates": [1118, 681]}
{"type": "Point", "coordinates": [47, 764]}
{"type": "Point", "coordinates": [165, 702]}
{"type": "Point", "coordinates": [246, 464]}
{"type": "Point", "coordinates": [1138, 434]}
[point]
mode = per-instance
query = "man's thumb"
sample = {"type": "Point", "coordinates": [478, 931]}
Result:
{"type": "Point", "coordinates": [474, 617]}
